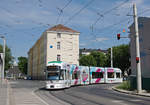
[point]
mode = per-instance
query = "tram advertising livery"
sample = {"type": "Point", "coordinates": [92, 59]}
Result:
{"type": "Point", "coordinates": [61, 75]}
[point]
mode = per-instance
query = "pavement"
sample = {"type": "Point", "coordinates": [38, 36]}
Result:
{"type": "Point", "coordinates": [143, 93]}
{"type": "Point", "coordinates": [24, 92]}
{"type": "Point", "coordinates": [4, 92]}
{"type": "Point", "coordinates": [27, 92]}
{"type": "Point", "coordinates": [98, 94]}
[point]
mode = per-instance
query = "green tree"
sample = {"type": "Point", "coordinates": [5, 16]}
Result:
{"type": "Point", "coordinates": [22, 64]}
{"type": "Point", "coordinates": [121, 56]}
{"type": "Point", "coordinates": [100, 58]}
{"type": "Point", "coordinates": [8, 57]}
{"type": "Point", "coordinates": [87, 60]}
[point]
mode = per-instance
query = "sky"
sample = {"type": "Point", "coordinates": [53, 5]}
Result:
{"type": "Point", "coordinates": [22, 22]}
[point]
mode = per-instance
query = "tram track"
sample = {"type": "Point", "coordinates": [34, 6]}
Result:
{"type": "Point", "coordinates": [105, 92]}
{"type": "Point", "coordinates": [91, 95]}
{"type": "Point", "coordinates": [73, 99]}
{"type": "Point", "coordinates": [87, 96]}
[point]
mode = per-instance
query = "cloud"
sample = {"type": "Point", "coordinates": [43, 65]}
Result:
{"type": "Point", "coordinates": [100, 39]}
{"type": "Point", "coordinates": [83, 44]}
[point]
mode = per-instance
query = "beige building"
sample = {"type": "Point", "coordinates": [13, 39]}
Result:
{"type": "Point", "coordinates": [58, 43]}
{"type": "Point", "coordinates": [144, 39]}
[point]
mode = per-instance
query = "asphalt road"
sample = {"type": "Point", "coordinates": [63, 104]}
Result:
{"type": "Point", "coordinates": [100, 94]}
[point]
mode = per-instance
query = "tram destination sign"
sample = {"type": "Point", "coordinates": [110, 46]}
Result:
{"type": "Point", "coordinates": [53, 68]}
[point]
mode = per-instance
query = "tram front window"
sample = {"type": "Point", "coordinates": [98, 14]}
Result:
{"type": "Point", "coordinates": [56, 75]}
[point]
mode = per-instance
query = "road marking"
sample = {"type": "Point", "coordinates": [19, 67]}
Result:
{"type": "Point", "coordinates": [117, 101]}
{"type": "Point", "coordinates": [136, 100]}
{"type": "Point", "coordinates": [120, 102]}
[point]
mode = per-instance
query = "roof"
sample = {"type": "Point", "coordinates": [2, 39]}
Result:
{"type": "Point", "coordinates": [62, 28]}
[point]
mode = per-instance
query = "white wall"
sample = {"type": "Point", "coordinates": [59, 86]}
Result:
{"type": "Point", "coordinates": [69, 50]}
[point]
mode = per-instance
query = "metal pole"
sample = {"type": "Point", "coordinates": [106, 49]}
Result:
{"type": "Point", "coordinates": [111, 57]}
{"type": "Point", "coordinates": [3, 56]}
{"type": "Point", "coordinates": [138, 64]}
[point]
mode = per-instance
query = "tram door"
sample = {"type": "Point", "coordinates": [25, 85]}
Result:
{"type": "Point", "coordinates": [68, 80]}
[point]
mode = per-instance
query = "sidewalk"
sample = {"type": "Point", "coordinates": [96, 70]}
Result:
{"type": "Point", "coordinates": [3, 93]}
{"type": "Point", "coordinates": [23, 96]}
{"type": "Point", "coordinates": [20, 94]}
{"type": "Point", "coordinates": [144, 93]}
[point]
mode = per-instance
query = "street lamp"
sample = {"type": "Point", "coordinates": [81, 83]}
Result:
{"type": "Point", "coordinates": [2, 37]}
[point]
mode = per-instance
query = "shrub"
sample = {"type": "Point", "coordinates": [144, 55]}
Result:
{"type": "Point", "coordinates": [125, 85]}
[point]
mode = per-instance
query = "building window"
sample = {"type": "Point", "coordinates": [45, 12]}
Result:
{"type": "Point", "coordinates": [58, 35]}
{"type": "Point", "coordinates": [58, 57]}
{"type": "Point", "coordinates": [58, 45]}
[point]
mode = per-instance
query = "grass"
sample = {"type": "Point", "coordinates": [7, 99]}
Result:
{"type": "Point", "coordinates": [125, 85]}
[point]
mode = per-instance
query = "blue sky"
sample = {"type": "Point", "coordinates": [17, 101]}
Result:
{"type": "Point", "coordinates": [23, 21]}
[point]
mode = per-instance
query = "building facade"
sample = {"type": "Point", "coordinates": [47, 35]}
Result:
{"type": "Point", "coordinates": [58, 43]}
{"type": "Point", "coordinates": [144, 39]}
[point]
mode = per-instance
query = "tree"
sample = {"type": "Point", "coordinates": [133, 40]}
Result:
{"type": "Point", "coordinates": [8, 57]}
{"type": "Point", "coordinates": [87, 60]}
{"type": "Point", "coordinates": [22, 64]}
{"type": "Point", "coordinates": [100, 58]}
{"type": "Point", "coordinates": [121, 56]}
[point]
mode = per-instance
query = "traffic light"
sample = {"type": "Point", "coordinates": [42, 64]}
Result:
{"type": "Point", "coordinates": [118, 36]}
{"type": "Point", "coordinates": [124, 30]}
{"type": "Point", "coordinates": [137, 59]}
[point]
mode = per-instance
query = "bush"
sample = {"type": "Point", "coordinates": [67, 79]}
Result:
{"type": "Point", "coordinates": [125, 85]}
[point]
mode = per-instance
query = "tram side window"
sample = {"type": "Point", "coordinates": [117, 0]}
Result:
{"type": "Point", "coordinates": [118, 75]}
{"type": "Point", "coordinates": [97, 75]}
{"type": "Point", "coordinates": [110, 74]}
{"type": "Point", "coordinates": [76, 75]}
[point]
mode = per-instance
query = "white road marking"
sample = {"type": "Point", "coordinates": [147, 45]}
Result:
{"type": "Point", "coordinates": [136, 100]}
{"type": "Point", "coordinates": [120, 102]}
{"type": "Point", "coordinates": [117, 101]}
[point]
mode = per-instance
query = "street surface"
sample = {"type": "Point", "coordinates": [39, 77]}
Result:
{"type": "Point", "coordinates": [26, 92]}
{"type": "Point", "coordinates": [100, 94]}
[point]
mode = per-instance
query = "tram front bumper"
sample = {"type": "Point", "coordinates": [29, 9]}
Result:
{"type": "Point", "coordinates": [55, 86]}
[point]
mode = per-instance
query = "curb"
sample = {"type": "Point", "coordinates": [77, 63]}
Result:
{"type": "Point", "coordinates": [131, 92]}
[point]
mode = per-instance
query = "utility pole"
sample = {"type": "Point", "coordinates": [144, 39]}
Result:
{"type": "Point", "coordinates": [111, 57]}
{"type": "Point", "coordinates": [4, 44]}
{"type": "Point", "coordinates": [138, 64]}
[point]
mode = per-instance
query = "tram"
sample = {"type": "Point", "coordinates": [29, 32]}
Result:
{"type": "Point", "coordinates": [61, 75]}
{"type": "Point", "coordinates": [57, 75]}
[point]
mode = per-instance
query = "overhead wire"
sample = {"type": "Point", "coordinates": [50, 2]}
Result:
{"type": "Point", "coordinates": [108, 11]}
{"type": "Point", "coordinates": [146, 10]}
{"type": "Point", "coordinates": [79, 11]}
{"type": "Point", "coordinates": [61, 10]}
{"type": "Point", "coordinates": [115, 24]}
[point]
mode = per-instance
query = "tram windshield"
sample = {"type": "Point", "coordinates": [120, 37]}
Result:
{"type": "Point", "coordinates": [55, 73]}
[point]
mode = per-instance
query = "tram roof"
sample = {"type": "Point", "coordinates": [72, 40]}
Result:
{"type": "Point", "coordinates": [55, 62]}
